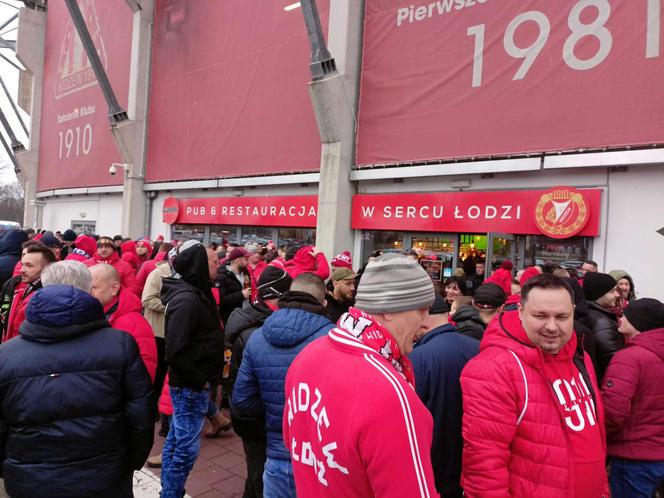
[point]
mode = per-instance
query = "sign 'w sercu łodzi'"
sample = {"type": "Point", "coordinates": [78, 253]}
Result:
{"type": "Point", "coordinates": [560, 212]}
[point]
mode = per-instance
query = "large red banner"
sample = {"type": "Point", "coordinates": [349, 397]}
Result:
{"type": "Point", "coordinates": [560, 212]}
{"type": "Point", "coordinates": [445, 79]}
{"type": "Point", "coordinates": [284, 211]}
{"type": "Point", "coordinates": [76, 145]}
{"type": "Point", "coordinates": [229, 94]}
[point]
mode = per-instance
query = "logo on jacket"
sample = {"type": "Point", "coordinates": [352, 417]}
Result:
{"type": "Point", "coordinates": [562, 212]}
{"type": "Point", "coordinates": [574, 396]}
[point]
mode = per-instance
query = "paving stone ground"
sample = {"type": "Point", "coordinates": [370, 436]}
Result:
{"type": "Point", "coordinates": [219, 471]}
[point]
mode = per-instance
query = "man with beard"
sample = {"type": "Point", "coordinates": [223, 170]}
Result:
{"type": "Point", "coordinates": [343, 291]}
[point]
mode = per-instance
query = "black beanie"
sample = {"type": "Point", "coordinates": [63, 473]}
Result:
{"type": "Point", "coordinates": [69, 235]}
{"type": "Point", "coordinates": [645, 314]}
{"type": "Point", "coordinates": [272, 283]}
{"type": "Point", "coordinates": [596, 284]}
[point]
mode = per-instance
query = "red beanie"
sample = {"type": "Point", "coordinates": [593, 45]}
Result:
{"type": "Point", "coordinates": [343, 260]}
{"type": "Point", "coordinates": [528, 273]}
{"type": "Point", "coordinates": [507, 265]}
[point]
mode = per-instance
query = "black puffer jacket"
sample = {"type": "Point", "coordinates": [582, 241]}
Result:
{"type": "Point", "coordinates": [241, 324]}
{"type": "Point", "coordinates": [230, 292]}
{"type": "Point", "coordinates": [77, 417]}
{"type": "Point", "coordinates": [603, 325]}
{"type": "Point", "coordinates": [194, 338]}
{"type": "Point", "coordinates": [468, 322]}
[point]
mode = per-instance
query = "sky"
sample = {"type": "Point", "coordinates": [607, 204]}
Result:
{"type": "Point", "coordinates": [9, 75]}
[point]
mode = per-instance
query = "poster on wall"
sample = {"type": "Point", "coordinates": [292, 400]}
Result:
{"type": "Point", "coordinates": [449, 79]}
{"type": "Point", "coordinates": [229, 90]}
{"type": "Point", "coordinates": [433, 268]}
{"type": "Point", "coordinates": [76, 145]}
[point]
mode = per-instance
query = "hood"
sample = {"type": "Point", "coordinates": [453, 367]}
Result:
{"type": "Point", "coordinates": [513, 299]}
{"type": "Point", "coordinates": [192, 266]}
{"type": "Point", "coordinates": [507, 332]}
{"type": "Point", "coordinates": [250, 315]}
{"type": "Point", "coordinates": [443, 329]}
{"type": "Point", "coordinates": [653, 341]}
{"type": "Point", "coordinates": [618, 274]}
{"type": "Point", "coordinates": [132, 258]}
{"type": "Point", "coordinates": [86, 244]}
{"type": "Point", "coordinates": [10, 244]}
{"type": "Point", "coordinates": [127, 302]}
{"type": "Point", "coordinates": [129, 246]}
{"type": "Point", "coordinates": [60, 312]}
{"type": "Point", "coordinates": [502, 278]}
{"type": "Point", "coordinates": [303, 259]}
{"type": "Point", "coordinates": [467, 313]}
{"type": "Point", "coordinates": [289, 327]}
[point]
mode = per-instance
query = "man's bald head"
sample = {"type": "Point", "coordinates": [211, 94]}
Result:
{"type": "Point", "coordinates": [105, 283]}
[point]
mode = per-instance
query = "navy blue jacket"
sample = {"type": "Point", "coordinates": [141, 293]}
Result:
{"type": "Point", "coordinates": [10, 253]}
{"type": "Point", "coordinates": [260, 384]}
{"type": "Point", "coordinates": [75, 412]}
{"type": "Point", "coordinates": [438, 359]}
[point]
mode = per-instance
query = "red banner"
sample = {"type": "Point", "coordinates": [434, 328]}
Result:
{"type": "Point", "coordinates": [560, 212]}
{"type": "Point", "coordinates": [229, 90]}
{"type": "Point", "coordinates": [446, 79]}
{"type": "Point", "coordinates": [288, 211]}
{"type": "Point", "coordinates": [76, 146]}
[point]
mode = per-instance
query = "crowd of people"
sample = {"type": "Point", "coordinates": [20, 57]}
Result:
{"type": "Point", "coordinates": [544, 382]}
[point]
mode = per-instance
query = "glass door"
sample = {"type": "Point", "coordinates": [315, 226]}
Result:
{"type": "Point", "coordinates": [500, 246]}
{"type": "Point", "coordinates": [437, 253]}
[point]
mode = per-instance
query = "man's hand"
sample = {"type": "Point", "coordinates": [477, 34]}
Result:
{"type": "Point", "coordinates": [315, 251]}
{"type": "Point", "coordinates": [246, 293]}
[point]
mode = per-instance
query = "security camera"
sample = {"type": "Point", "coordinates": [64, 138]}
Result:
{"type": "Point", "coordinates": [112, 170]}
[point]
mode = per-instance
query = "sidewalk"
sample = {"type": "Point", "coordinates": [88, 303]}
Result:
{"type": "Point", "coordinates": [219, 471]}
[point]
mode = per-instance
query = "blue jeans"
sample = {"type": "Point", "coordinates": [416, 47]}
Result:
{"type": "Point", "coordinates": [635, 478]}
{"type": "Point", "coordinates": [183, 443]}
{"type": "Point", "coordinates": [278, 479]}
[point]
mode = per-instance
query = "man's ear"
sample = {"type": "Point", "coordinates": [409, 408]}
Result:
{"type": "Point", "coordinates": [519, 307]}
{"type": "Point", "coordinates": [116, 288]}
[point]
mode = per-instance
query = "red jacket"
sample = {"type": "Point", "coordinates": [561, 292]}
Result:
{"type": "Point", "coordinates": [147, 268]}
{"type": "Point", "coordinates": [516, 443]}
{"type": "Point", "coordinates": [127, 274]}
{"type": "Point", "coordinates": [501, 278]}
{"type": "Point", "coordinates": [254, 275]}
{"type": "Point", "coordinates": [633, 393]}
{"type": "Point", "coordinates": [22, 296]}
{"type": "Point", "coordinates": [129, 255]}
{"type": "Point", "coordinates": [165, 402]}
{"type": "Point", "coordinates": [85, 248]}
{"type": "Point", "coordinates": [124, 313]}
{"type": "Point", "coordinates": [304, 262]}
{"type": "Point", "coordinates": [354, 426]}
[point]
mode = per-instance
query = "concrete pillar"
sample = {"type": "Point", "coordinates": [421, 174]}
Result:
{"type": "Point", "coordinates": [131, 137]}
{"type": "Point", "coordinates": [335, 102]}
{"type": "Point", "coordinates": [30, 40]}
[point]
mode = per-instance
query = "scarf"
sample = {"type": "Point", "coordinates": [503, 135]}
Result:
{"type": "Point", "coordinates": [374, 335]}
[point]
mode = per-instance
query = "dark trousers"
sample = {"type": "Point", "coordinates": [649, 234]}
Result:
{"type": "Point", "coordinates": [635, 478]}
{"type": "Point", "coordinates": [162, 370]}
{"type": "Point", "coordinates": [254, 452]}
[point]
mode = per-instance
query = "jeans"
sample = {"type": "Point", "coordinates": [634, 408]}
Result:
{"type": "Point", "coordinates": [278, 479]}
{"type": "Point", "coordinates": [184, 439]}
{"type": "Point", "coordinates": [635, 478]}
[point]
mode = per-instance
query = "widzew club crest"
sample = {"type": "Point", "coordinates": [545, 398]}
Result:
{"type": "Point", "coordinates": [562, 212]}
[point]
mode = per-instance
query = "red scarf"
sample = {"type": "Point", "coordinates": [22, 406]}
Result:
{"type": "Point", "coordinates": [374, 335]}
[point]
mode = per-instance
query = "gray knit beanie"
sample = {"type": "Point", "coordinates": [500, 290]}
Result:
{"type": "Point", "coordinates": [393, 283]}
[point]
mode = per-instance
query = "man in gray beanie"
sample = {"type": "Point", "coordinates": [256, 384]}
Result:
{"type": "Point", "coordinates": [351, 410]}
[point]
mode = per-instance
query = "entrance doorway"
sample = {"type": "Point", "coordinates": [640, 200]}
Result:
{"type": "Point", "coordinates": [500, 246]}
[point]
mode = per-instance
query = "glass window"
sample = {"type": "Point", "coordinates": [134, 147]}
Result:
{"type": "Point", "coordinates": [221, 234]}
{"type": "Point", "coordinates": [570, 252]}
{"type": "Point", "coordinates": [84, 227]}
{"type": "Point", "coordinates": [185, 232]}
{"type": "Point", "coordinates": [296, 236]}
{"type": "Point", "coordinates": [472, 250]}
{"type": "Point", "coordinates": [376, 240]}
{"type": "Point", "coordinates": [258, 235]}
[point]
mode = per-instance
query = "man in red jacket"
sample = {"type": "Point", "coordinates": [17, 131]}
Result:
{"type": "Point", "coordinates": [106, 254]}
{"type": "Point", "coordinates": [353, 423]}
{"type": "Point", "coordinates": [123, 312]}
{"type": "Point", "coordinates": [34, 262]}
{"type": "Point", "coordinates": [533, 422]}
{"type": "Point", "coordinates": [633, 394]}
